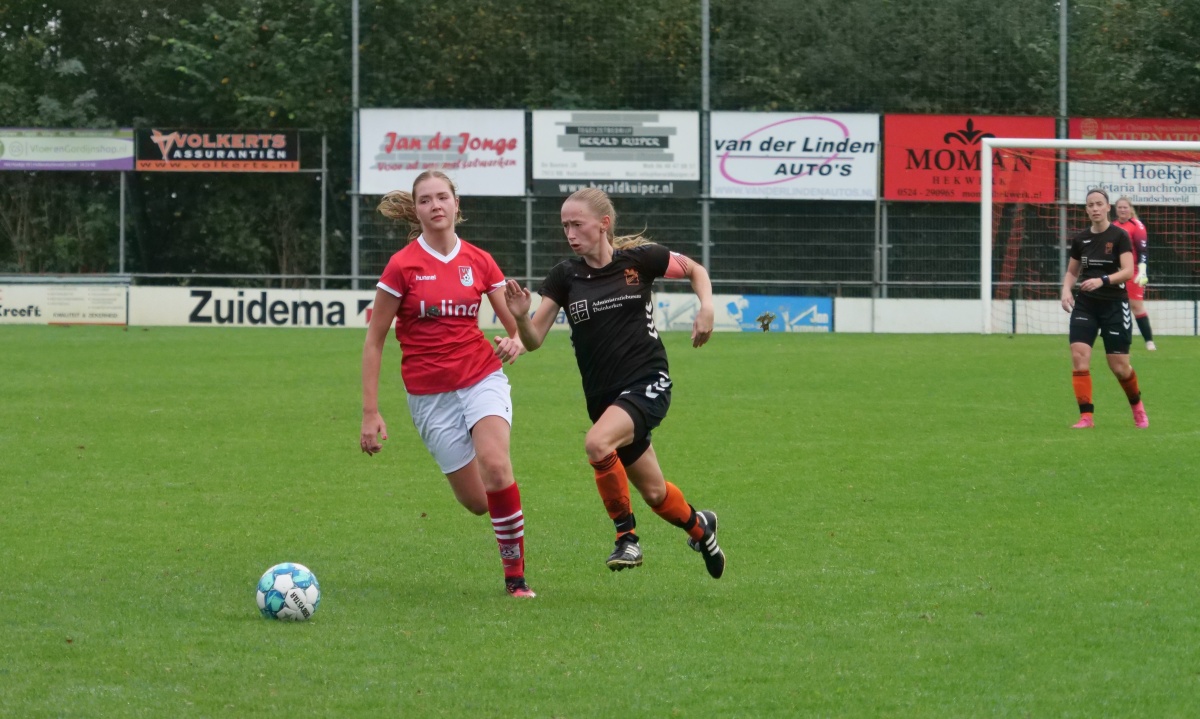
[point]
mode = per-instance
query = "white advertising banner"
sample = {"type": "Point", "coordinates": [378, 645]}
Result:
{"type": "Point", "coordinates": [624, 153]}
{"type": "Point", "coordinates": [483, 151]}
{"type": "Point", "coordinates": [1146, 177]}
{"type": "Point", "coordinates": [232, 307]}
{"type": "Point", "coordinates": [83, 304]}
{"type": "Point", "coordinates": [675, 312]}
{"type": "Point", "coordinates": [1144, 183]}
{"type": "Point", "coordinates": [807, 156]}
{"type": "Point", "coordinates": [52, 149]}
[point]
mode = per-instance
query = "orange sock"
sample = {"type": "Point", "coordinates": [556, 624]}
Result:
{"type": "Point", "coordinates": [613, 485]}
{"type": "Point", "coordinates": [1082, 381]}
{"type": "Point", "coordinates": [1130, 385]}
{"type": "Point", "coordinates": [677, 511]}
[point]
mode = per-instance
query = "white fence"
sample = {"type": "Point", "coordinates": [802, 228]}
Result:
{"type": "Point", "coordinates": [118, 304]}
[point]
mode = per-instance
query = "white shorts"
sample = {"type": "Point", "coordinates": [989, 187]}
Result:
{"type": "Point", "coordinates": [444, 420]}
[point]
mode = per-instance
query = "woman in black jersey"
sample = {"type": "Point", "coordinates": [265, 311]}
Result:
{"type": "Point", "coordinates": [1102, 256]}
{"type": "Point", "coordinates": [606, 292]}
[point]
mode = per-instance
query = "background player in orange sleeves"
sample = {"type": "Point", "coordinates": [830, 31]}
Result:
{"type": "Point", "coordinates": [457, 393]}
{"type": "Point", "coordinates": [606, 291]}
{"type": "Point", "coordinates": [1127, 220]}
{"type": "Point", "coordinates": [1102, 257]}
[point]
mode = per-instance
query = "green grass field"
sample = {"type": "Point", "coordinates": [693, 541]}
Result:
{"type": "Point", "coordinates": [912, 531]}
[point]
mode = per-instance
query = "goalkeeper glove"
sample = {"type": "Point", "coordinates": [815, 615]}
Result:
{"type": "Point", "coordinates": [1142, 279]}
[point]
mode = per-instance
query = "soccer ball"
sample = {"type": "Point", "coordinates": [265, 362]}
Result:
{"type": "Point", "coordinates": [288, 591]}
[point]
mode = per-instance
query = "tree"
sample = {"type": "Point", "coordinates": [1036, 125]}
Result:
{"type": "Point", "coordinates": [968, 56]}
{"type": "Point", "coordinates": [262, 64]}
{"type": "Point", "coordinates": [1136, 59]}
{"type": "Point", "coordinates": [53, 222]}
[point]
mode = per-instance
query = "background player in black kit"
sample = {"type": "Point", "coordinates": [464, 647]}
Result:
{"type": "Point", "coordinates": [1102, 256]}
{"type": "Point", "coordinates": [605, 291]}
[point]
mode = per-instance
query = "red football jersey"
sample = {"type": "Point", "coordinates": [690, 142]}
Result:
{"type": "Point", "coordinates": [1137, 235]}
{"type": "Point", "coordinates": [442, 348]}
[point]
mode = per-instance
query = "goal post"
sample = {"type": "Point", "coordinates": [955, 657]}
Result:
{"type": "Point", "coordinates": [1090, 164]}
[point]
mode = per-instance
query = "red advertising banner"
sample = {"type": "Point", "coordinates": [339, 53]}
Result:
{"type": "Point", "coordinates": [1128, 128]}
{"type": "Point", "coordinates": [218, 151]}
{"type": "Point", "coordinates": [935, 158]}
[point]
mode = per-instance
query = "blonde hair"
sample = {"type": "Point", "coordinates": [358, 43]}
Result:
{"type": "Point", "coordinates": [1126, 200]}
{"type": "Point", "coordinates": [598, 202]}
{"type": "Point", "coordinates": [399, 205]}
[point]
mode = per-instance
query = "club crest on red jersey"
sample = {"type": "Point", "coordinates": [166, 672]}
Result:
{"type": "Point", "coordinates": [465, 276]}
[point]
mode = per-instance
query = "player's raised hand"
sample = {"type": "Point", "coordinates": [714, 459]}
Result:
{"type": "Point", "coordinates": [702, 326]}
{"type": "Point", "coordinates": [373, 427]}
{"type": "Point", "coordinates": [517, 298]}
{"type": "Point", "coordinates": [508, 349]}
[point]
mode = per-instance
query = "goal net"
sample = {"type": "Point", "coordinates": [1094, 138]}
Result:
{"type": "Point", "coordinates": [1032, 200]}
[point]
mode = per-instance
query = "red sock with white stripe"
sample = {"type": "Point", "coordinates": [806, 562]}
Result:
{"type": "Point", "coordinates": [508, 522]}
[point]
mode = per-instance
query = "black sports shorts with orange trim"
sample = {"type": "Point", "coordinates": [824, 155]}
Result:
{"type": "Point", "coordinates": [1111, 318]}
{"type": "Point", "coordinates": [646, 402]}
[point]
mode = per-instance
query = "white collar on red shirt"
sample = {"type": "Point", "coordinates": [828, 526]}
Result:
{"type": "Point", "coordinates": [444, 258]}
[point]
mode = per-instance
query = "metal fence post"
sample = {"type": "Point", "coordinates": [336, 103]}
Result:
{"type": "Point", "coordinates": [354, 139]}
{"type": "Point", "coordinates": [324, 196]}
{"type": "Point", "coordinates": [121, 242]}
{"type": "Point", "coordinates": [529, 200]}
{"type": "Point", "coordinates": [705, 138]}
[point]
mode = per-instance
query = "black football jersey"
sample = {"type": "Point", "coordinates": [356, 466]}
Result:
{"type": "Point", "coordinates": [1099, 254]}
{"type": "Point", "coordinates": [611, 314]}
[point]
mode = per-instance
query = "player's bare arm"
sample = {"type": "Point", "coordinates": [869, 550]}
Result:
{"type": "Point", "coordinates": [702, 326]}
{"type": "Point", "coordinates": [531, 330]}
{"type": "Point", "coordinates": [680, 266]}
{"type": "Point", "coordinates": [510, 347]}
{"type": "Point", "coordinates": [1069, 279]}
{"type": "Point", "coordinates": [1128, 268]}
{"type": "Point", "coordinates": [374, 430]}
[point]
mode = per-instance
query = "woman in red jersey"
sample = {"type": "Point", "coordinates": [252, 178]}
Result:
{"type": "Point", "coordinates": [606, 291]}
{"type": "Point", "coordinates": [1127, 220]}
{"type": "Point", "coordinates": [457, 393]}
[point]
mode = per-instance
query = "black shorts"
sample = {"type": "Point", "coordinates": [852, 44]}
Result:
{"type": "Point", "coordinates": [646, 402]}
{"type": "Point", "coordinates": [1111, 318]}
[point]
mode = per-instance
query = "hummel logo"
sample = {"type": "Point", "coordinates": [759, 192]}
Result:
{"type": "Point", "coordinates": [1087, 242]}
{"type": "Point", "coordinates": [425, 277]}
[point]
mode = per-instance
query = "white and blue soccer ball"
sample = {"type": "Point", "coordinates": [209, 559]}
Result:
{"type": "Point", "coordinates": [288, 591]}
